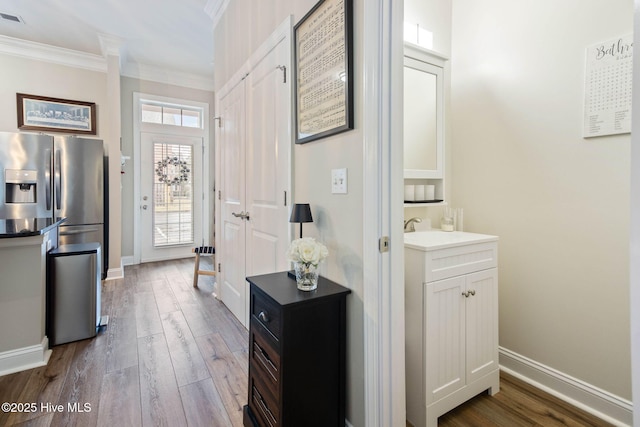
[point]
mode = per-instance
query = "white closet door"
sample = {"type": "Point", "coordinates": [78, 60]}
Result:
{"type": "Point", "coordinates": [268, 159]}
{"type": "Point", "coordinates": [231, 242]}
{"type": "Point", "coordinates": [254, 164]}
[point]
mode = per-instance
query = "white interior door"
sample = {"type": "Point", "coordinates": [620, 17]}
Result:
{"type": "Point", "coordinates": [171, 196]}
{"type": "Point", "coordinates": [268, 160]}
{"type": "Point", "coordinates": [254, 151]}
{"type": "Point", "coordinates": [231, 165]}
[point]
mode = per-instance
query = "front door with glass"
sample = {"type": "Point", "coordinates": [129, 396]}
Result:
{"type": "Point", "coordinates": [171, 196]}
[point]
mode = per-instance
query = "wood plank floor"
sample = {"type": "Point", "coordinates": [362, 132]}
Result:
{"type": "Point", "coordinates": [518, 404]}
{"type": "Point", "coordinates": [173, 355]}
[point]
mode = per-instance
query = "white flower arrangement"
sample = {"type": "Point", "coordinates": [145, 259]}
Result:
{"type": "Point", "coordinates": [307, 250]}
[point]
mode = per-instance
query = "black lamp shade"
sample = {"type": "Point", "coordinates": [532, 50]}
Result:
{"type": "Point", "coordinates": [301, 212]}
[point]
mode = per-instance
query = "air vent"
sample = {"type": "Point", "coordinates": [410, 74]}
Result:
{"type": "Point", "coordinates": [9, 17]}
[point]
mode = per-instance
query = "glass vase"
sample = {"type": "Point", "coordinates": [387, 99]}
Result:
{"type": "Point", "coordinates": [306, 276]}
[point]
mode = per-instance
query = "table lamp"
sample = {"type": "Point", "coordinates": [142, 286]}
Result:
{"type": "Point", "coordinates": [300, 213]}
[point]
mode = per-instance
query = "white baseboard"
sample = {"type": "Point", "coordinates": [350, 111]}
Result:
{"type": "Point", "coordinates": [116, 273]}
{"type": "Point", "coordinates": [347, 423]}
{"type": "Point", "coordinates": [25, 358]}
{"type": "Point", "coordinates": [602, 404]}
{"type": "Point", "coordinates": [128, 260]}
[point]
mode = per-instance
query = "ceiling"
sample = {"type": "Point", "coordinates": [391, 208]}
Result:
{"type": "Point", "coordinates": [169, 35]}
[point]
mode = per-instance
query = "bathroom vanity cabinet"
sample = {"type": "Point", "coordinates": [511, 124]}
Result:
{"type": "Point", "coordinates": [451, 321]}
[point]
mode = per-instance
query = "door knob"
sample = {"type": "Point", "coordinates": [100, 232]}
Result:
{"type": "Point", "coordinates": [242, 215]}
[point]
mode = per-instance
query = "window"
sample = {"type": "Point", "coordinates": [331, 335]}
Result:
{"type": "Point", "coordinates": [172, 196]}
{"type": "Point", "coordinates": [169, 114]}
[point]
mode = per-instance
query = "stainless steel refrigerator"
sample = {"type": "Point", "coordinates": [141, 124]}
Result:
{"type": "Point", "coordinates": [42, 176]}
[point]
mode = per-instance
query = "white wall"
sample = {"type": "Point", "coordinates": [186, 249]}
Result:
{"type": "Point", "coordinates": [128, 86]}
{"type": "Point", "coordinates": [522, 171]}
{"type": "Point", "coordinates": [59, 81]}
{"type": "Point", "coordinates": [434, 16]}
{"type": "Point", "coordinates": [337, 218]}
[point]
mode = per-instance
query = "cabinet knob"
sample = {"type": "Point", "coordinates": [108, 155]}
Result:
{"type": "Point", "coordinates": [263, 316]}
{"type": "Point", "coordinates": [469, 293]}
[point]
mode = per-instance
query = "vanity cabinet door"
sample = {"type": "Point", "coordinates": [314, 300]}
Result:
{"type": "Point", "coordinates": [461, 331]}
{"type": "Point", "coordinates": [481, 323]}
{"type": "Point", "coordinates": [444, 337]}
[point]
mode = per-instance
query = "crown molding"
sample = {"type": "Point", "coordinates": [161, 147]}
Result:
{"type": "Point", "coordinates": [172, 77]}
{"type": "Point", "coordinates": [215, 9]}
{"type": "Point", "coordinates": [110, 45]}
{"type": "Point", "coordinates": [56, 55]}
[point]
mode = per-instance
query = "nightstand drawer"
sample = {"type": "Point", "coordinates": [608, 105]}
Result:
{"type": "Point", "coordinates": [264, 359]}
{"type": "Point", "coordinates": [266, 313]}
{"type": "Point", "coordinates": [262, 404]}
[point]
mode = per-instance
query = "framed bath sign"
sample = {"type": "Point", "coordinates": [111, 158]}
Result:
{"type": "Point", "coordinates": [607, 97]}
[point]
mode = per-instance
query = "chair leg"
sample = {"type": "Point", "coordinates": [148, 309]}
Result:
{"type": "Point", "coordinates": [195, 270]}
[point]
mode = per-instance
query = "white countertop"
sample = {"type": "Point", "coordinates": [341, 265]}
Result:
{"type": "Point", "coordinates": [437, 239]}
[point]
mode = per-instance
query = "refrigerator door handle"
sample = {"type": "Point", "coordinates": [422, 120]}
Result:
{"type": "Point", "coordinates": [47, 182]}
{"type": "Point", "coordinates": [56, 177]}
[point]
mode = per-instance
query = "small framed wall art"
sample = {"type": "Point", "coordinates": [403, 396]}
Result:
{"type": "Point", "coordinates": [324, 71]}
{"type": "Point", "coordinates": [55, 115]}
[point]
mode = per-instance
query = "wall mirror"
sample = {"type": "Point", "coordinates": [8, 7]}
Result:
{"type": "Point", "coordinates": [423, 113]}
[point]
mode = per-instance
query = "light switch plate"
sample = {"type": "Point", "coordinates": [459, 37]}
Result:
{"type": "Point", "coordinates": [339, 181]}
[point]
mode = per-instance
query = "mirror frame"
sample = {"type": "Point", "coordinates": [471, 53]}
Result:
{"type": "Point", "coordinates": [433, 63]}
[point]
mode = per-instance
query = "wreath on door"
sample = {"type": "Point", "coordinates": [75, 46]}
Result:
{"type": "Point", "coordinates": [172, 171]}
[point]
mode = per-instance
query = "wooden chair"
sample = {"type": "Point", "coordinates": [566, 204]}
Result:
{"type": "Point", "coordinates": [206, 250]}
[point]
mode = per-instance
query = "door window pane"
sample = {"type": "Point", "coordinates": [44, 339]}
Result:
{"type": "Point", "coordinates": [151, 113]}
{"type": "Point", "coordinates": [191, 118]}
{"type": "Point", "coordinates": [172, 116]}
{"type": "Point", "coordinates": [172, 195]}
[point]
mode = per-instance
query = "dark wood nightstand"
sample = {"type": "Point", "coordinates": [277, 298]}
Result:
{"type": "Point", "coordinates": [297, 353]}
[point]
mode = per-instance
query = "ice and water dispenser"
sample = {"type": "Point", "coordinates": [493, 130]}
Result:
{"type": "Point", "coordinates": [20, 185]}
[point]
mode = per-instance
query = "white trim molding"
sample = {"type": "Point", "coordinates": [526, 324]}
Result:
{"type": "Point", "coordinates": [88, 61]}
{"type": "Point", "coordinates": [25, 358]}
{"type": "Point", "coordinates": [115, 273]}
{"type": "Point", "coordinates": [56, 55]}
{"type": "Point", "coordinates": [634, 226]}
{"type": "Point", "coordinates": [138, 129]}
{"type": "Point", "coordinates": [384, 367]}
{"type": "Point", "coordinates": [215, 9]}
{"type": "Point", "coordinates": [161, 75]}
{"type": "Point", "coordinates": [602, 404]}
{"type": "Point", "coordinates": [128, 260]}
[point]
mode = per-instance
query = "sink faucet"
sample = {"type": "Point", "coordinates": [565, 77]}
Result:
{"type": "Point", "coordinates": [409, 225]}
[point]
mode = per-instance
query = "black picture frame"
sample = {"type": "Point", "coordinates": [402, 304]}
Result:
{"type": "Point", "coordinates": [323, 71]}
{"type": "Point", "coordinates": [45, 114]}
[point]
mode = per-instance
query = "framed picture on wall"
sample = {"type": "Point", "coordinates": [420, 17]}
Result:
{"type": "Point", "coordinates": [55, 115]}
{"type": "Point", "coordinates": [324, 71]}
